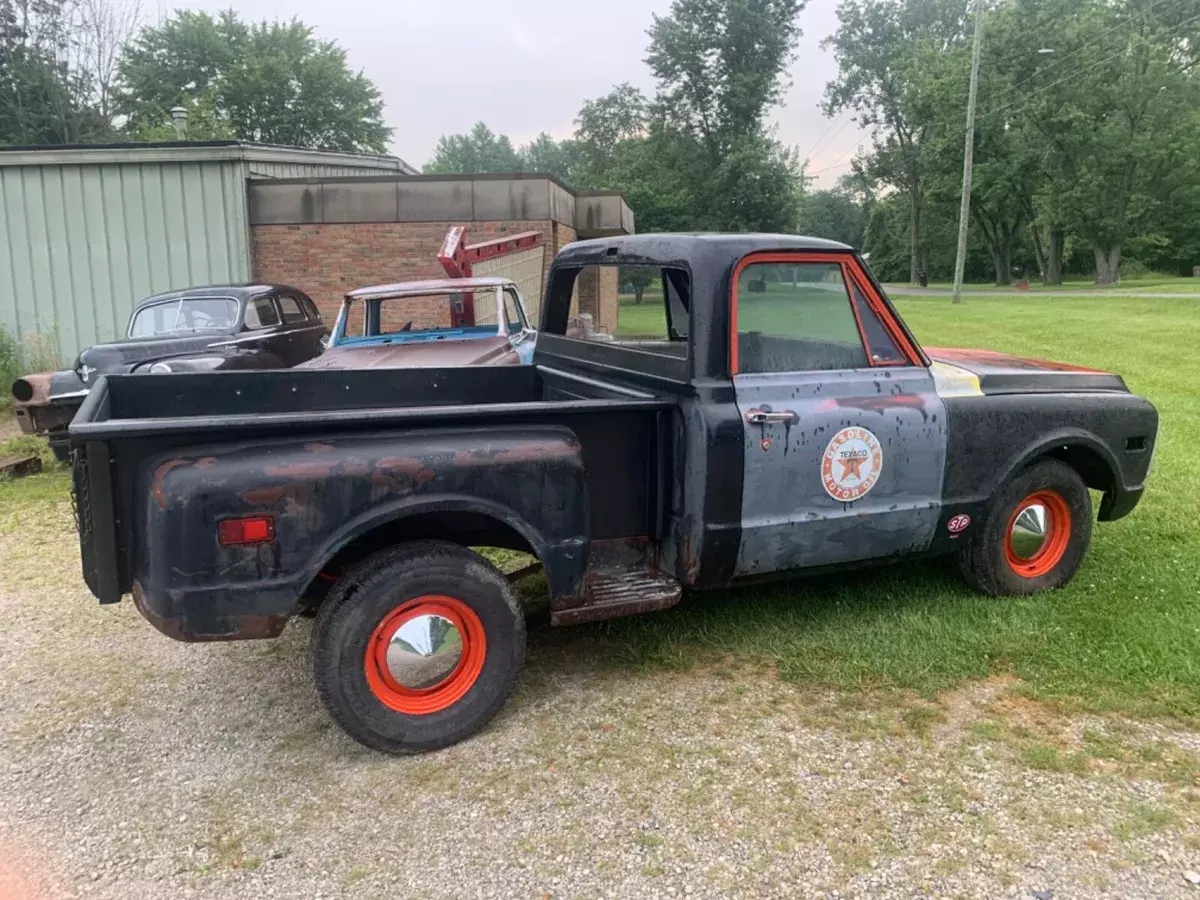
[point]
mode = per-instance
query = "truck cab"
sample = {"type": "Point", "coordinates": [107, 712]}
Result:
{"type": "Point", "coordinates": [774, 417]}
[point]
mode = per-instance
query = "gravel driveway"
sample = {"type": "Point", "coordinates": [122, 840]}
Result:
{"type": "Point", "coordinates": [135, 767]}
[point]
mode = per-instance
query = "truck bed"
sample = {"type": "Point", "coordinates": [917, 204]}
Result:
{"type": "Point", "coordinates": [130, 423]}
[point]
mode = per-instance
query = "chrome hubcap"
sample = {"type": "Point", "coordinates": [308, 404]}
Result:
{"type": "Point", "coordinates": [1029, 529]}
{"type": "Point", "coordinates": [424, 651]}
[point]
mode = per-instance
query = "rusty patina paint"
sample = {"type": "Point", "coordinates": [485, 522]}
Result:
{"type": "Point", "coordinates": [264, 496]}
{"type": "Point", "coordinates": [244, 627]}
{"type": "Point", "coordinates": [321, 469]}
{"type": "Point", "coordinates": [158, 488]}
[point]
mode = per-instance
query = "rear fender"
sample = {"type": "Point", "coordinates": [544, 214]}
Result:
{"type": "Point", "coordinates": [326, 494]}
{"type": "Point", "coordinates": [564, 560]}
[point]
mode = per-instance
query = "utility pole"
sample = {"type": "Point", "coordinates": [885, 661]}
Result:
{"type": "Point", "coordinates": [968, 157]}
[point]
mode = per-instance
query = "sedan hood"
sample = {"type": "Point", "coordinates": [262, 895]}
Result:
{"type": "Point", "coordinates": [1000, 373]}
{"type": "Point", "coordinates": [123, 356]}
{"type": "Point", "coordinates": [418, 354]}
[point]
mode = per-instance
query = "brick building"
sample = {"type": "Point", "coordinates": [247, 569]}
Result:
{"type": "Point", "coordinates": [328, 236]}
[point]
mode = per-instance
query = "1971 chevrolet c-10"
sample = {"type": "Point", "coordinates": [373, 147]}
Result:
{"type": "Point", "coordinates": [787, 420]}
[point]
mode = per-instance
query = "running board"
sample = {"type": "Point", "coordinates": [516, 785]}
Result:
{"type": "Point", "coordinates": [609, 595]}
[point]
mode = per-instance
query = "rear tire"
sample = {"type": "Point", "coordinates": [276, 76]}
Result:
{"type": "Point", "coordinates": [358, 626]}
{"type": "Point", "coordinates": [1003, 559]}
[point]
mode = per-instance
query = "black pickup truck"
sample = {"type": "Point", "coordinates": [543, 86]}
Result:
{"type": "Point", "coordinates": [785, 420]}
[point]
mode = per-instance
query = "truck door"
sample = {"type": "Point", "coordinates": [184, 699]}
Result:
{"type": "Point", "coordinates": [845, 439]}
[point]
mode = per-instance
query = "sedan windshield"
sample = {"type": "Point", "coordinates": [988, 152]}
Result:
{"type": "Point", "coordinates": [192, 314]}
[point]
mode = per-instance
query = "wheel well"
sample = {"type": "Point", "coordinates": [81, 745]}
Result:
{"type": "Point", "coordinates": [1091, 466]}
{"type": "Point", "coordinates": [469, 529]}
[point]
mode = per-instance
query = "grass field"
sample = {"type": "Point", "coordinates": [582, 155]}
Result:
{"type": "Point", "coordinates": [1125, 635]}
{"type": "Point", "coordinates": [1164, 284]}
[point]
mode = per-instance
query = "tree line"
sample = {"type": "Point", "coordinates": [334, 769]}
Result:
{"type": "Point", "coordinates": [91, 71]}
{"type": "Point", "coordinates": [1086, 141]}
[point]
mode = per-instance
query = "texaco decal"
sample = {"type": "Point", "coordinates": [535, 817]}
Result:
{"type": "Point", "coordinates": [851, 465]}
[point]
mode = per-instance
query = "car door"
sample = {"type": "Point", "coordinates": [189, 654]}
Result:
{"type": "Point", "coordinates": [845, 440]}
{"type": "Point", "coordinates": [264, 338]}
{"type": "Point", "coordinates": [521, 337]}
{"type": "Point", "coordinates": [301, 336]}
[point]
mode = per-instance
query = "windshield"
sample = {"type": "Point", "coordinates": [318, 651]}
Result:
{"type": "Point", "coordinates": [193, 314]}
{"type": "Point", "coordinates": [428, 316]}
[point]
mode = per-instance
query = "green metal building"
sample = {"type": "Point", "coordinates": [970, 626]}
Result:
{"type": "Point", "coordinates": [86, 232]}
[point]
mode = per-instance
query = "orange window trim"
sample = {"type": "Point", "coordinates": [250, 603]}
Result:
{"type": "Point", "coordinates": [849, 267]}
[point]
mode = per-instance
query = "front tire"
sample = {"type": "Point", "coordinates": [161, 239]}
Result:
{"type": "Point", "coordinates": [417, 647]}
{"type": "Point", "coordinates": [1035, 534]}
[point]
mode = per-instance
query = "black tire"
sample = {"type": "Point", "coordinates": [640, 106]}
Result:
{"type": "Point", "coordinates": [984, 562]}
{"type": "Point", "coordinates": [373, 590]}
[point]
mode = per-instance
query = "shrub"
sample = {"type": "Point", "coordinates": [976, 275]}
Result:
{"type": "Point", "coordinates": [38, 353]}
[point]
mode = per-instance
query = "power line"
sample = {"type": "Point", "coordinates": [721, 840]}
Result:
{"type": "Point", "coordinates": [832, 122]}
{"type": "Point", "coordinates": [1059, 61]}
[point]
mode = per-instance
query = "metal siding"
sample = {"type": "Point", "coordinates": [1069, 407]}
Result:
{"type": "Point", "coordinates": [81, 244]}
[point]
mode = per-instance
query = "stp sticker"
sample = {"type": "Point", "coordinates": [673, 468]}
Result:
{"type": "Point", "coordinates": [851, 465]}
{"type": "Point", "coordinates": [958, 524]}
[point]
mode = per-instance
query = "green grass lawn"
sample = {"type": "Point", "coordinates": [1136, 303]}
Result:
{"type": "Point", "coordinates": [1125, 634]}
{"type": "Point", "coordinates": [1165, 284]}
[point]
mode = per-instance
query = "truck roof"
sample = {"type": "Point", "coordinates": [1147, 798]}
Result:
{"type": "Point", "coordinates": [692, 249]}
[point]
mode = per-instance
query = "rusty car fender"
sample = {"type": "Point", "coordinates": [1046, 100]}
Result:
{"type": "Point", "coordinates": [333, 501]}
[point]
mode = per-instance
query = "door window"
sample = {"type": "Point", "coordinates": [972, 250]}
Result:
{"type": "Point", "coordinates": [290, 307]}
{"type": "Point", "coordinates": [261, 313]}
{"type": "Point", "coordinates": [884, 351]}
{"type": "Point", "coordinates": [795, 317]}
{"type": "Point", "coordinates": [512, 313]}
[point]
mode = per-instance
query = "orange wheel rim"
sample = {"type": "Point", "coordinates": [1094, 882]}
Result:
{"type": "Point", "coordinates": [425, 655]}
{"type": "Point", "coordinates": [1049, 512]}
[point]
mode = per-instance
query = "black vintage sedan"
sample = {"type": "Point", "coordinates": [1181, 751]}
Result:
{"type": "Point", "coordinates": [201, 329]}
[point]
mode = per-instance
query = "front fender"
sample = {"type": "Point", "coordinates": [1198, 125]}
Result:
{"type": "Point", "coordinates": [326, 493]}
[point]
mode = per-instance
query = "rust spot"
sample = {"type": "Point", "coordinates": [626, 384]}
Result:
{"type": "Point", "coordinates": [319, 448]}
{"type": "Point", "coordinates": [242, 628]}
{"type": "Point", "coordinates": [301, 470]}
{"type": "Point", "coordinates": [524, 453]}
{"type": "Point", "coordinates": [206, 463]}
{"type": "Point", "coordinates": [406, 465]}
{"type": "Point", "coordinates": [160, 474]}
{"type": "Point", "coordinates": [265, 496]}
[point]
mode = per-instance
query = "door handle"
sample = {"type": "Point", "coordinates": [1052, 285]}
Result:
{"type": "Point", "coordinates": [765, 417]}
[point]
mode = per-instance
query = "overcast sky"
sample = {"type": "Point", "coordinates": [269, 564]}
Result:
{"type": "Point", "coordinates": [525, 66]}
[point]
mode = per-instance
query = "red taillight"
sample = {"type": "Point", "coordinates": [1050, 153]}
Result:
{"type": "Point", "coordinates": [251, 530]}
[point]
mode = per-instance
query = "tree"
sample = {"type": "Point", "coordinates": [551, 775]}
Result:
{"type": "Point", "coordinates": [720, 64]}
{"type": "Point", "coordinates": [480, 150]}
{"type": "Point", "coordinates": [46, 89]}
{"type": "Point", "coordinates": [720, 67]}
{"type": "Point", "coordinates": [606, 122]}
{"type": "Point", "coordinates": [270, 82]}
{"type": "Point", "coordinates": [877, 45]}
{"type": "Point", "coordinates": [557, 158]}
{"type": "Point", "coordinates": [839, 214]}
{"type": "Point", "coordinates": [1118, 130]}
{"type": "Point", "coordinates": [638, 278]}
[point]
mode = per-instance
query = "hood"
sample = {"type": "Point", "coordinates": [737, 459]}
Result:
{"type": "Point", "coordinates": [123, 356]}
{"type": "Point", "coordinates": [419, 354]}
{"type": "Point", "coordinates": [1000, 373]}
